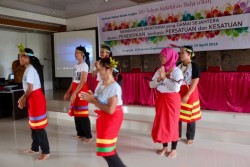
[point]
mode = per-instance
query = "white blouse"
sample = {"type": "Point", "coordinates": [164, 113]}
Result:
{"type": "Point", "coordinates": [31, 76]}
{"type": "Point", "coordinates": [187, 75]}
{"type": "Point", "coordinates": [111, 90]}
{"type": "Point", "coordinates": [77, 72]}
{"type": "Point", "coordinates": [168, 85]}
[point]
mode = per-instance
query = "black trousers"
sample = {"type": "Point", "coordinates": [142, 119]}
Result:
{"type": "Point", "coordinates": [39, 138]}
{"type": "Point", "coordinates": [83, 127]}
{"type": "Point", "coordinates": [173, 145]}
{"type": "Point", "coordinates": [190, 133]}
{"type": "Point", "coordinates": [114, 161]}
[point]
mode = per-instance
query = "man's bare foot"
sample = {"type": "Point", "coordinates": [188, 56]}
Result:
{"type": "Point", "coordinates": [172, 154]}
{"type": "Point", "coordinates": [43, 157]}
{"type": "Point", "coordinates": [162, 151]}
{"type": "Point", "coordinates": [189, 142]}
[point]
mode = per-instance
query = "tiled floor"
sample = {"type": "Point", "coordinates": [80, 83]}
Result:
{"type": "Point", "coordinates": [135, 149]}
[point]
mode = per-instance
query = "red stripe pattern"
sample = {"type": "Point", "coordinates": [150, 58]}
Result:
{"type": "Point", "coordinates": [190, 112]}
{"type": "Point", "coordinates": [80, 107]}
{"type": "Point", "coordinates": [107, 129]}
{"type": "Point", "coordinates": [37, 110]}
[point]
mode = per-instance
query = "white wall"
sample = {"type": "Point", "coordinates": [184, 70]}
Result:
{"type": "Point", "coordinates": [40, 43]}
{"type": "Point", "coordinates": [8, 50]}
{"type": "Point", "coordinates": [31, 16]}
{"type": "Point", "coordinates": [82, 22]}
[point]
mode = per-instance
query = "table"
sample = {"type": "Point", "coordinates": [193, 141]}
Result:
{"type": "Point", "coordinates": [9, 105]}
{"type": "Point", "coordinates": [222, 91]}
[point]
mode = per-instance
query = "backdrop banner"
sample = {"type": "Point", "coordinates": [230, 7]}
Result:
{"type": "Point", "coordinates": [204, 24]}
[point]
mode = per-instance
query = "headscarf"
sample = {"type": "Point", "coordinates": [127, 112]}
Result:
{"type": "Point", "coordinates": [171, 58]}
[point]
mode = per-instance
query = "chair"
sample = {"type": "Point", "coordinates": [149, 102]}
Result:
{"type": "Point", "coordinates": [213, 68]}
{"type": "Point", "coordinates": [135, 70]}
{"type": "Point", "coordinates": [243, 68]}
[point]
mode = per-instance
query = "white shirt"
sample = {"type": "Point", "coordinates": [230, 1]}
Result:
{"type": "Point", "coordinates": [103, 94]}
{"type": "Point", "coordinates": [77, 72]}
{"type": "Point", "coordinates": [187, 75]}
{"type": "Point", "coordinates": [168, 85]}
{"type": "Point", "coordinates": [31, 76]}
{"type": "Point", "coordinates": [98, 77]}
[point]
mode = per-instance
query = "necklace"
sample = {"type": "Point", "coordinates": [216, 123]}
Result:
{"type": "Point", "coordinates": [100, 91]}
{"type": "Point", "coordinates": [182, 64]}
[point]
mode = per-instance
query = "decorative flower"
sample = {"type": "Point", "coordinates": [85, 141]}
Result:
{"type": "Point", "coordinates": [113, 63]}
{"type": "Point", "coordinates": [240, 7]}
{"type": "Point", "coordinates": [21, 48]}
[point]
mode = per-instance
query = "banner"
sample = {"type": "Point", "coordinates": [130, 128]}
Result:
{"type": "Point", "coordinates": [204, 24]}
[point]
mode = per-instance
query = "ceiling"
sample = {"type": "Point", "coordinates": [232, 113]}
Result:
{"type": "Point", "coordinates": [68, 8]}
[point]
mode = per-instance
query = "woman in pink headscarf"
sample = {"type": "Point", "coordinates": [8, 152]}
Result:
{"type": "Point", "coordinates": [167, 81]}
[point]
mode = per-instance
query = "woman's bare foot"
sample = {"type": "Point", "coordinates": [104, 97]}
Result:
{"type": "Point", "coordinates": [43, 157]}
{"type": "Point", "coordinates": [189, 142]}
{"type": "Point", "coordinates": [79, 137]}
{"type": "Point", "coordinates": [87, 140]}
{"type": "Point", "coordinates": [162, 151]}
{"type": "Point", "coordinates": [172, 154]}
{"type": "Point", "coordinates": [29, 151]}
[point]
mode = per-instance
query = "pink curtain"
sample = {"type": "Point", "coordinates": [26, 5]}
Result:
{"type": "Point", "coordinates": [223, 91]}
{"type": "Point", "coordinates": [135, 89]}
{"type": "Point", "coordinates": [91, 82]}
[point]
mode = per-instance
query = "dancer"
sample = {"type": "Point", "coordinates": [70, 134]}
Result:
{"type": "Point", "coordinates": [104, 53]}
{"type": "Point", "coordinates": [108, 101]}
{"type": "Point", "coordinates": [32, 83]}
{"type": "Point", "coordinates": [190, 105]}
{"type": "Point", "coordinates": [79, 108]}
{"type": "Point", "coordinates": [167, 80]}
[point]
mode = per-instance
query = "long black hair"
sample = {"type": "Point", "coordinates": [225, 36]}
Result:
{"type": "Point", "coordinates": [35, 62]}
{"type": "Point", "coordinates": [106, 62]}
{"type": "Point", "coordinates": [85, 53]}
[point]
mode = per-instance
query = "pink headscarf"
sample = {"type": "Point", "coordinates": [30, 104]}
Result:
{"type": "Point", "coordinates": [171, 57]}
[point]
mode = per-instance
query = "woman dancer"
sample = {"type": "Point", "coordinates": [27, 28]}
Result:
{"type": "Point", "coordinates": [167, 80]}
{"type": "Point", "coordinates": [104, 53]}
{"type": "Point", "coordinates": [190, 105]}
{"type": "Point", "coordinates": [32, 84]}
{"type": "Point", "coordinates": [108, 101]}
{"type": "Point", "coordinates": [79, 108]}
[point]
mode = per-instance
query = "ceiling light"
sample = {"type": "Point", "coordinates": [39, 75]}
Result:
{"type": "Point", "coordinates": [106, 1]}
